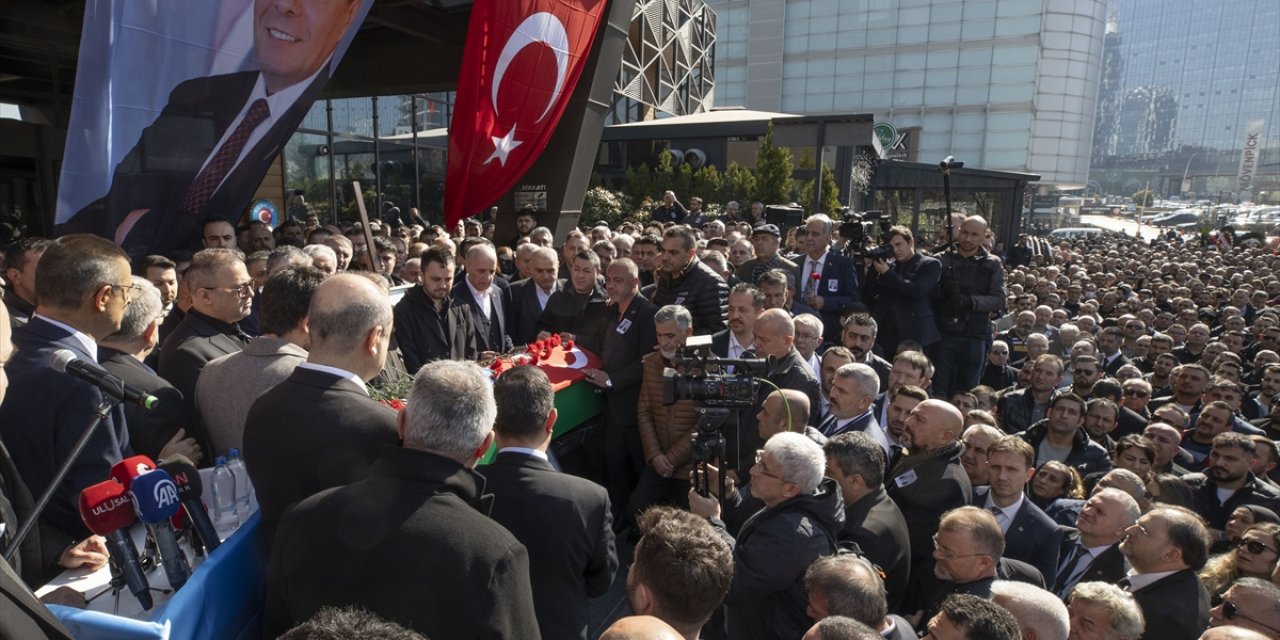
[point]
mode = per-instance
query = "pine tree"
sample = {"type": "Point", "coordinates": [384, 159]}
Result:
{"type": "Point", "coordinates": [773, 172]}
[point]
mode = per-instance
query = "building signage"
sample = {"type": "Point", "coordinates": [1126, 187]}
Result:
{"type": "Point", "coordinates": [1249, 160]}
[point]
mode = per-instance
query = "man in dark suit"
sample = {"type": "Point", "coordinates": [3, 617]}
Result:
{"type": "Point", "coordinates": [529, 296]}
{"type": "Point", "coordinates": [851, 586]}
{"type": "Point", "coordinates": [825, 281]}
{"type": "Point", "coordinates": [1030, 535]}
{"type": "Point", "coordinates": [967, 548]}
{"type": "Point", "coordinates": [430, 322]}
{"type": "Point", "coordinates": [1166, 547]}
{"type": "Point", "coordinates": [319, 428]}
{"type": "Point", "coordinates": [1091, 552]}
{"type": "Point", "coordinates": [928, 482]}
{"type": "Point", "coordinates": [856, 462]}
{"type": "Point", "coordinates": [221, 295]}
{"type": "Point", "coordinates": [853, 388]}
{"type": "Point", "coordinates": [207, 151]}
{"type": "Point", "coordinates": [746, 302]}
{"type": "Point", "coordinates": [902, 294]}
{"type": "Point", "coordinates": [417, 524]}
{"type": "Point", "coordinates": [487, 296]}
{"type": "Point", "coordinates": [1109, 355]}
{"type": "Point", "coordinates": [564, 521]}
{"type": "Point", "coordinates": [84, 286]}
{"type": "Point", "coordinates": [160, 431]}
{"type": "Point", "coordinates": [629, 335]}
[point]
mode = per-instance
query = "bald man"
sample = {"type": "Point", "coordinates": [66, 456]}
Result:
{"type": "Point", "coordinates": [775, 337]}
{"type": "Point", "coordinates": [972, 288]}
{"type": "Point", "coordinates": [786, 410]}
{"type": "Point", "coordinates": [640, 628]}
{"type": "Point", "coordinates": [319, 428]}
{"type": "Point", "coordinates": [487, 296]}
{"type": "Point", "coordinates": [928, 481]}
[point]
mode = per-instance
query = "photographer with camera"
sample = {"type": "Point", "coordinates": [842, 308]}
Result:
{"type": "Point", "coordinates": [971, 289]}
{"type": "Point", "coordinates": [775, 334]}
{"type": "Point", "coordinates": [902, 293]}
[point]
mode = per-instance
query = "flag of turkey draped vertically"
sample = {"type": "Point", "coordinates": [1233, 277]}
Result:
{"type": "Point", "coordinates": [522, 61]}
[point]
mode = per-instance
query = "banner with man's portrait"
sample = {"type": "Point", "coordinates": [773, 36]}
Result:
{"type": "Point", "coordinates": [181, 106]}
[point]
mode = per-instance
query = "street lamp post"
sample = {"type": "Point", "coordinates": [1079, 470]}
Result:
{"type": "Point", "coordinates": [1182, 186]}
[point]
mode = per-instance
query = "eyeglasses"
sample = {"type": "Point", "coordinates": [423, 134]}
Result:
{"type": "Point", "coordinates": [1137, 393]}
{"type": "Point", "coordinates": [242, 290]}
{"type": "Point", "coordinates": [762, 470]}
{"type": "Point", "coordinates": [947, 555]}
{"type": "Point", "coordinates": [1254, 547]}
{"type": "Point", "coordinates": [1230, 612]}
{"type": "Point", "coordinates": [129, 292]}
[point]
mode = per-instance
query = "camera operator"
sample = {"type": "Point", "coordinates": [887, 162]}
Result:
{"type": "Point", "coordinates": [972, 287]}
{"type": "Point", "coordinates": [902, 293]}
{"type": "Point", "coordinates": [775, 340]}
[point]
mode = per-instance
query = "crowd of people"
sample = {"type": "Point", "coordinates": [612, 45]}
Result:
{"type": "Point", "coordinates": [951, 441]}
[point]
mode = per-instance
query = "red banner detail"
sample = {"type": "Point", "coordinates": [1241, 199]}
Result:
{"type": "Point", "coordinates": [522, 62]}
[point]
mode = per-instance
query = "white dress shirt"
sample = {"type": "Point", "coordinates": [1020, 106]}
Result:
{"type": "Point", "coordinates": [341, 373]}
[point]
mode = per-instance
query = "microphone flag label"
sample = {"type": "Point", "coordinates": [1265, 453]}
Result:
{"type": "Point", "coordinates": [522, 61]}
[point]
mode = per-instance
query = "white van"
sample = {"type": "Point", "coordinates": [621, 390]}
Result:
{"type": "Point", "coordinates": [1075, 233]}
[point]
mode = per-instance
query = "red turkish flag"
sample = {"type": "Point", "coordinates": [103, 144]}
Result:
{"type": "Point", "coordinates": [522, 62]}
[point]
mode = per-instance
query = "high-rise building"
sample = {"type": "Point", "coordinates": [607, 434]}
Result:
{"type": "Point", "coordinates": [1000, 84]}
{"type": "Point", "coordinates": [1182, 81]}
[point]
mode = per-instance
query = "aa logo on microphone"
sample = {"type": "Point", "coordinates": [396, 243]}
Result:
{"type": "Point", "coordinates": [165, 493]}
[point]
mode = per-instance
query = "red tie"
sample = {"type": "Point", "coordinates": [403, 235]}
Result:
{"type": "Point", "coordinates": [216, 171]}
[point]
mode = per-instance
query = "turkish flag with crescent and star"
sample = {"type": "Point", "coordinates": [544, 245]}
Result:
{"type": "Point", "coordinates": [522, 61]}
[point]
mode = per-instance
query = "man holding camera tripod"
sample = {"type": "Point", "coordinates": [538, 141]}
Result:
{"type": "Point", "coordinates": [972, 288]}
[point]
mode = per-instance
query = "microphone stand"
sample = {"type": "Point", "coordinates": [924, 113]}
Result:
{"type": "Point", "coordinates": [104, 409]}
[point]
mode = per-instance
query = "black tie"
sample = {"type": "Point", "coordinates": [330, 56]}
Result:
{"type": "Point", "coordinates": [1066, 570]}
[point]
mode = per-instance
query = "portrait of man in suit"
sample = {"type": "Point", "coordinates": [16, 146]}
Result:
{"type": "Point", "coordinates": [206, 152]}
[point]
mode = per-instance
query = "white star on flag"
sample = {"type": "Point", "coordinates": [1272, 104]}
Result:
{"type": "Point", "coordinates": [503, 146]}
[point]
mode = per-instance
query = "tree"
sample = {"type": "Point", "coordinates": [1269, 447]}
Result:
{"type": "Point", "coordinates": [602, 205]}
{"type": "Point", "coordinates": [773, 171]}
{"type": "Point", "coordinates": [739, 184]}
{"type": "Point", "coordinates": [830, 192]}
{"type": "Point", "coordinates": [1144, 198]}
{"type": "Point", "coordinates": [804, 188]}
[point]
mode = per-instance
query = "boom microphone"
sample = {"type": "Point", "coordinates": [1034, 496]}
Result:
{"type": "Point", "coordinates": [190, 491]}
{"type": "Point", "coordinates": [155, 498]}
{"type": "Point", "coordinates": [66, 362]}
{"type": "Point", "coordinates": [107, 510]}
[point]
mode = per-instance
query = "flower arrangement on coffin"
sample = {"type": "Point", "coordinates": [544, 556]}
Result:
{"type": "Point", "coordinates": [533, 353]}
{"type": "Point", "coordinates": [392, 394]}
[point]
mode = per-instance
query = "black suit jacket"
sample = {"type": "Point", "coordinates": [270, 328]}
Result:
{"type": "Point", "coordinates": [196, 341]}
{"type": "Point", "coordinates": [564, 522]}
{"type": "Point", "coordinates": [522, 315]}
{"type": "Point", "coordinates": [168, 156]}
{"type": "Point", "coordinates": [491, 332]}
{"type": "Point", "coordinates": [877, 525]}
{"type": "Point", "coordinates": [148, 430]}
{"type": "Point", "coordinates": [425, 334]}
{"type": "Point", "coordinates": [1176, 607]}
{"type": "Point", "coordinates": [839, 289]}
{"type": "Point", "coordinates": [1120, 361]}
{"type": "Point", "coordinates": [311, 432]}
{"type": "Point", "coordinates": [21, 614]}
{"type": "Point", "coordinates": [621, 354]}
{"type": "Point", "coordinates": [1109, 566]}
{"type": "Point", "coordinates": [1033, 537]}
{"type": "Point", "coordinates": [44, 413]}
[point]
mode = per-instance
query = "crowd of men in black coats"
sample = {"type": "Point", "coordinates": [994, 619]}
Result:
{"type": "Point", "coordinates": [1083, 445]}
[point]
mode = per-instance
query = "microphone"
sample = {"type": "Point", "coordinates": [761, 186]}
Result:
{"type": "Point", "coordinates": [65, 361]}
{"type": "Point", "coordinates": [155, 498]}
{"type": "Point", "coordinates": [190, 490]}
{"type": "Point", "coordinates": [107, 510]}
{"type": "Point", "coordinates": [126, 470]}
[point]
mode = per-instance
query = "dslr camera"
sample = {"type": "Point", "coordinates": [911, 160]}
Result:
{"type": "Point", "coordinates": [867, 235]}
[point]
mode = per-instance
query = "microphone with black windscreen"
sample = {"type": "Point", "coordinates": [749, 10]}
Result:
{"type": "Point", "coordinates": [190, 491]}
{"type": "Point", "coordinates": [67, 362]}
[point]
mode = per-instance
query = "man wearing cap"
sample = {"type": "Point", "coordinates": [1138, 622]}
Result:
{"type": "Point", "coordinates": [766, 239]}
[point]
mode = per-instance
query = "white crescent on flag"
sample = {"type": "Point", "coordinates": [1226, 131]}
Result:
{"type": "Point", "coordinates": [539, 27]}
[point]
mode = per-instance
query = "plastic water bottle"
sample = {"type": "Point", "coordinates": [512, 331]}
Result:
{"type": "Point", "coordinates": [244, 487]}
{"type": "Point", "coordinates": [225, 515]}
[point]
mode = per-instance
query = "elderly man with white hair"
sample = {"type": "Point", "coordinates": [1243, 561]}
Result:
{"type": "Point", "coordinates": [799, 523]}
{"type": "Point", "coordinates": [1103, 611]}
{"type": "Point", "coordinates": [1040, 614]}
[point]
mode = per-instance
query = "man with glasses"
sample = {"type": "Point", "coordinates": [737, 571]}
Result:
{"type": "Point", "coordinates": [221, 295]}
{"type": "Point", "coordinates": [83, 288]}
{"type": "Point", "coordinates": [1251, 604]}
{"type": "Point", "coordinates": [1136, 394]}
{"type": "Point", "coordinates": [1166, 547]}
{"type": "Point", "coordinates": [966, 551]}
{"type": "Point", "coordinates": [997, 373]}
{"type": "Point", "coordinates": [1085, 370]}
{"type": "Point", "coordinates": [775, 547]}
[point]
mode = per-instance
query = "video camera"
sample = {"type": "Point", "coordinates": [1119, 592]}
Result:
{"type": "Point", "coordinates": [866, 234]}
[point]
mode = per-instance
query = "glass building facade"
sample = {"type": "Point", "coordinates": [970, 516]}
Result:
{"type": "Point", "coordinates": [1001, 84]}
{"type": "Point", "coordinates": [1182, 81]}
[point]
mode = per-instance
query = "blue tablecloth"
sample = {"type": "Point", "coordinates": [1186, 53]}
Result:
{"type": "Point", "coordinates": [221, 601]}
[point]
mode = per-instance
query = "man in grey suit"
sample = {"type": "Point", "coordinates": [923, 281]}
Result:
{"type": "Point", "coordinates": [228, 385]}
{"type": "Point", "coordinates": [563, 520]}
{"type": "Point", "coordinates": [319, 428]}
